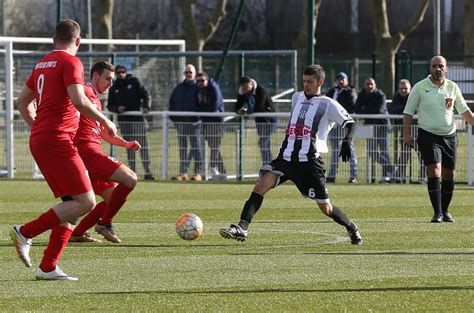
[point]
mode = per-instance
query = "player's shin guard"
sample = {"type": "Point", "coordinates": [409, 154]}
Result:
{"type": "Point", "coordinates": [57, 243]}
{"type": "Point", "coordinates": [118, 198]}
{"type": "Point", "coordinates": [447, 188]}
{"type": "Point", "coordinates": [90, 219]}
{"type": "Point", "coordinates": [44, 222]}
{"type": "Point", "coordinates": [250, 208]}
{"type": "Point", "coordinates": [434, 190]}
{"type": "Point", "coordinates": [339, 217]}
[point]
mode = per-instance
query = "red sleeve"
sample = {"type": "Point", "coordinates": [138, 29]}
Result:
{"type": "Point", "coordinates": [30, 82]}
{"type": "Point", "coordinates": [73, 72]}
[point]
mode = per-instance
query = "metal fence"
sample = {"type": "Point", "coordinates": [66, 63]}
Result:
{"type": "Point", "coordinates": [242, 157]}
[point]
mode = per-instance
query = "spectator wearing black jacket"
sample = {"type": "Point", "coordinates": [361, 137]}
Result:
{"type": "Point", "coordinates": [127, 94]}
{"type": "Point", "coordinates": [346, 95]}
{"type": "Point", "coordinates": [253, 98]}
{"type": "Point", "coordinates": [371, 100]}
{"type": "Point", "coordinates": [188, 128]}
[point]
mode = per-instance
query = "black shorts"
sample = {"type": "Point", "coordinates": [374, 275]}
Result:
{"type": "Point", "coordinates": [309, 177]}
{"type": "Point", "coordinates": [437, 149]}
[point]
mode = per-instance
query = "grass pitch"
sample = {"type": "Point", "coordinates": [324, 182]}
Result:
{"type": "Point", "coordinates": [296, 259]}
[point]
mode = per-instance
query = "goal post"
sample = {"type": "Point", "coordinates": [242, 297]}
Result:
{"type": "Point", "coordinates": [7, 52]}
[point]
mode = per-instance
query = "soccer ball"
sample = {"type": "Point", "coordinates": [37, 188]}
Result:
{"type": "Point", "coordinates": [189, 226]}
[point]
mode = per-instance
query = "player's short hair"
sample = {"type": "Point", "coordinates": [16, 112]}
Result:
{"type": "Point", "coordinates": [101, 66]}
{"type": "Point", "coordinates": [67, 31]}
{"type": "Point", "coordinates": [315, 70]}
{"type": "Point", "coordinates": [244, 80]}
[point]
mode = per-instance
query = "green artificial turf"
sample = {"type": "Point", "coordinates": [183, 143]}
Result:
{"type": "Point", "coordinates": [296, 259]}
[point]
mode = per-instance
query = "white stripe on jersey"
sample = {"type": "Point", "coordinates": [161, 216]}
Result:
{"type": "Point", "coordinates": [310, 122]}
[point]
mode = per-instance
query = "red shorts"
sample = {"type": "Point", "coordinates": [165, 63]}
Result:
{"type": "Point", "coordinates": [101, 186]}
{"type": "Point", "coordinates": [60, 164]}
{"type": "Point", "coordinates": [99, 165]}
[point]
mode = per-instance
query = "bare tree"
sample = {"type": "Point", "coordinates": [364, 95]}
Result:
{"type": "Point", "coordinates": [468, 30]}
{"type": "Point", "coordinates": [387, 44]}
{"type": "Point", "coordinates": [301, 42]}
{"type": "Point", "coordinates": [211, 16]}
{"type": "Point", "coordinates": [103, 22]}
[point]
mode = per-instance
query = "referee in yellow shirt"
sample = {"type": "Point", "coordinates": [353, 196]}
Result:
{"type": "Point", "coordinates": [434, 99]}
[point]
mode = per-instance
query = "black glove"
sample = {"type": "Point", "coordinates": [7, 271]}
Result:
{"type": "Point", "coordinates": [345, 153]}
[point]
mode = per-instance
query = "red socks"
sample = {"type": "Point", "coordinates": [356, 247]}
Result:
{"type": "Point", "coordinates": [57, 243]}
{"type": "Point", "coordinates": [44, 222]}
{"type": "Point", "coordinates": [118, 198]}
{"type": "Point", "coordinates": [90, 219]}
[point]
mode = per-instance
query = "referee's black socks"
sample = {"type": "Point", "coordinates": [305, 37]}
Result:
{"type": "Point", "coordinates": [250, 208]}
{"type": "Point", "coordinates": [447, 188]}
{"type": "Point", "coordinates": [434, 190]}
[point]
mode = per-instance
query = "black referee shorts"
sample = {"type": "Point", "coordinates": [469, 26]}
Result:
{"type": "Point", "coordinates": [437, 149]}
{"type": "Point", "coordinates": [309, 177]}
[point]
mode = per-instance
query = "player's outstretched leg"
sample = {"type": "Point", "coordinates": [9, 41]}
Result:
{"type": "Point", "coordinates": [341, 218]}
{"type": "Point", "coordinates": [240, 232]}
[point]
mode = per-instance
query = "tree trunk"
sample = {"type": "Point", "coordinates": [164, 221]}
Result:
{"type": "Point", "coordinates": [387, 45]}
{"type": "Point", "coordinates": [196, 40]}
{"type": "Point", "coordinates": [468, 30]}
{"type": "Point", "coordinates": [301, 42]}
{"type": "Point", "coordinates": [105, 9]}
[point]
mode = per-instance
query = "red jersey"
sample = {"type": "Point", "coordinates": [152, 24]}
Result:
{"type": "Point", "coordinates": [49, 80]}
{"type": "Point", "coordinates": [89, 130]}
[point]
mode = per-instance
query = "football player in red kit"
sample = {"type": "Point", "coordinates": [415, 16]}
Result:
{"type": "Point", "coordinates": [111, 179]}
{"type": "Point", "coordinates": [56, 84]}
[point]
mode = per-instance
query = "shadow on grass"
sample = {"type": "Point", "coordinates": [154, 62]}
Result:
{"type": "Point", "coordinates": [280, 290]}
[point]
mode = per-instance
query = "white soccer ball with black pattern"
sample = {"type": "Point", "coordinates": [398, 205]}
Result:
{"type": "Point", "coordinates": [189, 226]}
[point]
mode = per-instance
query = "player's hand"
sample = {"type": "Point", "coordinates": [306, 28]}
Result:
{"type": "Point", "coordinates": [110, 127]}
{"type": "Point", "coordinates": [146, 110]}
{"type": "Point", "coordinates": [345, 153]}
{"type": "Point", "coordinates": [121, 108]}
{"type": "Point", "coordinates": [134, 145]}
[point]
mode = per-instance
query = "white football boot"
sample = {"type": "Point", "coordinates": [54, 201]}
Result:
{"type": "Point", "coordinates": [57, 274]}
{"type": "Point", "coordinates": [22, 245]}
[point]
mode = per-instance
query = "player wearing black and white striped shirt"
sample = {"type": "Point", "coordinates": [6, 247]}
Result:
{"type": "Point", "coordinates": [312, 117]}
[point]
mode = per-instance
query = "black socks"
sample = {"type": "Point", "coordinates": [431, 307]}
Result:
{"type": "Point", "coordinates": [250, 208]}
{"type": "Point", "coordinates": [434, 190]}
{"type": "Point", "coordinates": [447, 188]}
{"type": "Point", "coordinates": [339, 217]}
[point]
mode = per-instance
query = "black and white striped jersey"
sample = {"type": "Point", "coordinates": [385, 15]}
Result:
{"type": "Point", "coordinates": [309, 125]}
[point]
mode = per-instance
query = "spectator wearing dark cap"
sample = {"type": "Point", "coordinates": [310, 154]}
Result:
{"type": "Point", "coordinates": [127, 94]}
{"type": "Point", "coordinates": [253, 98]}
{"type": "Point", "coordinates": [346, 95]}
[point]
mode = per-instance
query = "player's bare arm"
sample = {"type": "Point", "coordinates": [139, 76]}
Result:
{"type": "Point", "coordinates": [469, 117]}
{"type": "Point", "coordinates": [83, 104]}
{"type": "Point", "coordinates": [407, 120]}
{"type": "Point", "coordinates": [25, 105]}
{"type": "Point", "coordinates": [119, 141]}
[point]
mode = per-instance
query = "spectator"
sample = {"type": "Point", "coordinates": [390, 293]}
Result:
{"type": "Point", "coordinates": [346, 95]}
{"type": "Point", "coordinates": [253, 98]}
{"type": "Point", "coordinates": [183, 98]}
{"type": "Point", "coordinates": [209, 99]}
{"type": "Point", "coordinates": [397, 106]}
{"type": "Point", "coordinates": [127, 94]}
{"type": "Point", "coordinates": [371, 100]}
